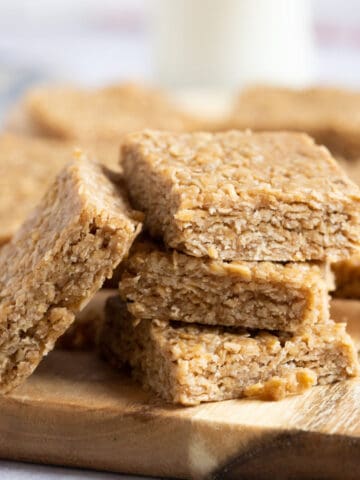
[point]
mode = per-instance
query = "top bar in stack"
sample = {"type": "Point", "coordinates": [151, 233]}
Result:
{"type": "Point", "coordinates": [243, 195]}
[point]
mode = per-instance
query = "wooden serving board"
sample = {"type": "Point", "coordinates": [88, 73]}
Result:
{"type": "Point", "coordinates": [77, 411]}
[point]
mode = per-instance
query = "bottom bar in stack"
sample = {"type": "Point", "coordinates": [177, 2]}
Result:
{"type": "Point", "coordinates": [191, 363]}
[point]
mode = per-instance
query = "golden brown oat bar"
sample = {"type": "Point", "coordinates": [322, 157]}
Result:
{"type": "Point", "coordinates": [189, 364]}
{"type": "Point", "coordinates": [168, 285]}
{"type": "Point", "coordinates": [84, 332]}
{"type": "Point", "coordinates": [330, 115]}
{"type": "Point", "coordinates": [27, 167]}
{"type": "Point", "coordinates": [107, 113]}
{"type": "Point", "coordinates": [72, 241]}
{"type": "Point", "coordinates": [243, 196]}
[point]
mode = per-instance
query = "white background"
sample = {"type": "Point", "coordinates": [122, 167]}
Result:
{"type": "Point", "coordinates": [96, 41]}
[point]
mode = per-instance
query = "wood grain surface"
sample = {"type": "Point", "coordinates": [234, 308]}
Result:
{"type": "Point", "coordinates": [77, 411]}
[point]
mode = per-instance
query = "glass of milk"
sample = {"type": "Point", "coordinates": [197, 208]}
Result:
{"type": "Point", "coordinates": [228, 43]}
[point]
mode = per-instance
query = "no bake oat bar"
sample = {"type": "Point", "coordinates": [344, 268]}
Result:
{"type": "Point", "coordinates": [168, 285]}
{"type": "Point", "coordinates": [243, 195]}
{"type": "Point", "coordinates": [106, 113]}
{"type": "Point", "coordinates": [27, 167]}
{"type": "Point", "coordinates": [189, 364]}
{"type": "Point", "coordinates": [72, 241]}
{"type": "Point", "coordinates": [330, 115]}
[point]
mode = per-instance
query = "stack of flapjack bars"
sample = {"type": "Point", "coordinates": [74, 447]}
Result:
{"type": "Point", "coordinates": [227, 294]}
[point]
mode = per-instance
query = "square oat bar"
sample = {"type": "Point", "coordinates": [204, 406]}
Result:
{"type": "Point", "coordinates": [243, 195]}
{"type": "Point", "coordinates": [107, 113]}
{"type": "Point", "coordinates": [330, 115]}
{"type": "Point", "coordinates": [28, 166]}
{"type": "Point", "coordinates": [167, 285]}
{"type": "Point", "coordinates": [189, 364]}
{"type": "Point", "coordinates": [60, 257]}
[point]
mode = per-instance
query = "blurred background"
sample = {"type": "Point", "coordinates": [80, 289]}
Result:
{"type": "Point", "coordinates": [180, 43]}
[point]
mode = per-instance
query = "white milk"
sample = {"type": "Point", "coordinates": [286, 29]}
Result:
{"type": "Point", "coordinates": [226, 43]}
